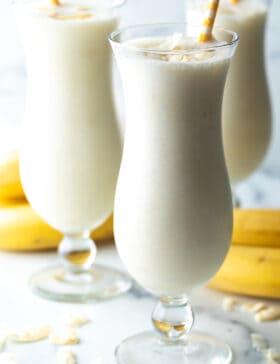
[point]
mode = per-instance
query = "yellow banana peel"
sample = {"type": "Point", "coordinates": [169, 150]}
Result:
{"type": "Point", "coordinates": [250, 270]}
{"type": "Point", "coordinates": [257, 227]}
{"type": "Point", "coordinates": [252, 266]}
{"type": "Point", "coordinates": [10, 186]}
{"type": "Point", "coordinates": [21, 229]}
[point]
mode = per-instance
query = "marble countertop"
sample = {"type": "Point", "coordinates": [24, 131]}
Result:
{"type": "Point", "coordinates": [116, 319]}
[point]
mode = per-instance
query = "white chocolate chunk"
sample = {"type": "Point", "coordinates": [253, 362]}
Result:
{"type": "Point", "coordinates": [253, 307]}
{"type": "Point", "coordinates": [175, 58]}
{"type": "Point", "coordinates": [268, 314]}
{"type": "Point", "coordinates": [8, 358]}
{"type": "Point", "coordinates": [259, 343]}
{"type": "Point", "coordinates": [30, 334]}
{"type": "Point", "coordinates": [75, 320]}
{"type": "Point", "coordinates": [173, 42]}
{"type": "Point", "coordinates": [65, 356]}
{"type": "Point", "coordinates": [59, 275]}
{"type": "Point", "coordinates": [229, 304]}
{"type": "Point", "coordinates": [64, 336]}
{"type": "Point", "coordinates": [191, 57]}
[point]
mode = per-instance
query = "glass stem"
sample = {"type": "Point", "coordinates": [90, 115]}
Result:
{"type": "Point", "coordinates": [77, 252]}
{"type": "Point", "coordinates": [173, 318]}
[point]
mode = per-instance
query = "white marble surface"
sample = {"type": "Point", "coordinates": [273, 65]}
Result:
{"type": "Point", "coordinates": [116, 319]}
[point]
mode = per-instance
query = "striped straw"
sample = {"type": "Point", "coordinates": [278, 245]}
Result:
{"type": "Point", "coordinates": [235, 1]}
{"type": "Point", "coordinates": [55, 2]}
{"type": "Point", "coordinates": [208, 23]}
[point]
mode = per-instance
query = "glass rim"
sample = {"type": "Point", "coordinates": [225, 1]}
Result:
{"type": "Point", "coordinates": [118, 43]}
{"type": "Point", "coordinates": [115, 3]}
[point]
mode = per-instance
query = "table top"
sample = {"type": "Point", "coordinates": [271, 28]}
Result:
{"type": "Point", "coordinates": [116, 319]}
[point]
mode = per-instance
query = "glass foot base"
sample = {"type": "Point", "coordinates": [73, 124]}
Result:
{"type": "Point", "coordinates": [149, 348]}
{"type": "Point", "coordinates": [99, 283]}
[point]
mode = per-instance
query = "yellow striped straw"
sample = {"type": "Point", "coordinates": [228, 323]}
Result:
{"type": "Point", "coordinates": [208, 23]}
{"type": "Point", "coordinates": [234, 1]}
{"type": "Point", "coordinates": [55, 2]}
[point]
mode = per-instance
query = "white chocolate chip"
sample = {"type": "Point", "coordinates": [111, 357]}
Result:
{"type": "Point", "coordinates": [253, 307]}
{"type": "Point", "coordinates": [175, 57]}
{"type": "Point", "coordinates": [172, 43]}
{"type": "Point", "coordinates": [75, 320]}
{"type": "Point", "coordinates": [8, 358]}
{"type": "Point", "coordinates": [191, 57]}
{"type": "Point", "coordinates": [229, 304]}
{"type": "Point", "coordinates": [59, 275]}
{"type": "Point", "coordinates": [30, 334]}
{"type": "Point", "coordinates": [65, 356]}
{"type": "Point", "coordinates": [64, 336]}
{"type": "Point", "coordinates": [259, 343]}
{"type": "Point", "coordinates": [268, 314]}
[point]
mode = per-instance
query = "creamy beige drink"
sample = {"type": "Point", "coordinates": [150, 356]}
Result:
{"type": "Point", "coordinates": [70, 151]}
{"type": "Point", "coordinates": [173, 212]}
{"type": "Point", "coordinates": [246, 107]}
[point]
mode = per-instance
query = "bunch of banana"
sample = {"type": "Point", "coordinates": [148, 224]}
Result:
{"type": "Point", "coordinates": [250, 270]}
{"type": "Point", "coordinates": [252, 266]}
{"type": "Point", "coordinates": [21, 229]}
{"type": "Point", "coordinates": [257, 227]}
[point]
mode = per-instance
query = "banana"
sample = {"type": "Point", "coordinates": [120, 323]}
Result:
{"type": "Point", "coordinates": [10, 186]}
{"type": "Point", "coordinates": [257, 227]}
{"type": "Point", "coordinates": [250, 270]}
{"type": "Point", "coordinates": [105, 231]}
{"type": "Point", "coordinates": [21, 229]}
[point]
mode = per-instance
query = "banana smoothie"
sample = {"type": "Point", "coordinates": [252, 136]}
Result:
{"type": "Point", "coordinates": [173, 211]}
{"type": "Point", "coordinates": [70, 150]}
{"type": "Point", "coordinates": [246, 107]}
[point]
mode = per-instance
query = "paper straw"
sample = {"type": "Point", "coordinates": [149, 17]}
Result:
{"type": "Point", "coordinates": [208, 23]}
{"type": "Point", "coordinates": [234, 1]}
{"type": "Point", "coordinates": [55, 2]}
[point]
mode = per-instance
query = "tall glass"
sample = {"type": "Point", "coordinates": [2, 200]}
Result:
{"type": "Point", "coordinates": [246, 106]}
{"type": "Point", "coordinates": [70, 149]}
{"type": "Point", "coordinates": [173, 209]}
